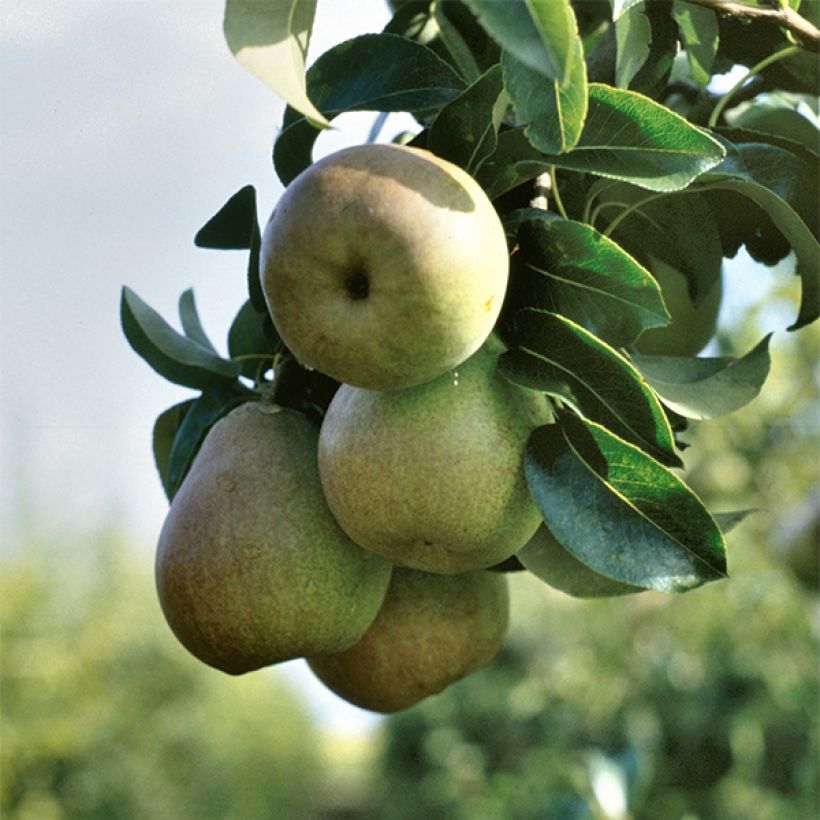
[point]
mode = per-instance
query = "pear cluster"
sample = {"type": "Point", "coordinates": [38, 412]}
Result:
{"type": "Point", "coordinates": [366, 545]}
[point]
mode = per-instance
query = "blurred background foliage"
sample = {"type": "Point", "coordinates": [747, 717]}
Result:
{"type": "Point", "coordinates": [703, 705]}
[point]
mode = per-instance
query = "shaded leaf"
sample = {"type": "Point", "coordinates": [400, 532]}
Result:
{"type": "Point", "coordinates": [514, 161]}
{"type": "Point", "coordinates": [727, 521]}
{"type": "Point", "coordinates": [176, 357]}
{"type": "Point", "coordinates": [191, 324]}
{"type": "Point", "coordinates": [633, 36]}
{"type": "Point", "coordinates": [471, 49]}
{"type": "Point", "coordinates": [620, 512]}
{"type": "Point", "coordinates": [271, 41]}
{"type": "Point", "coordinates": [250, 338]}
{"type": "Point", "coordinates": [703, 388]}
{"type": "Point", "coordinates": [563, 359]}
{"type": "Point", "coordinates": [570, 268]}
{"type": "Point", "coordinates": [374, 72]}
{"type": "Point", "coordinates": [164, 432]}
{"type": "Point", "coordinates": [698, 27]}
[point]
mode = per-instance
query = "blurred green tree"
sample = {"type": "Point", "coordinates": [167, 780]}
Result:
{"type": "Point", "coordinates": [105, 716]}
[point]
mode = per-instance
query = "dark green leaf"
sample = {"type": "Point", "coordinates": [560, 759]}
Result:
{"type": "Point", "coordinates": [571, 269]}
{"type": "Point", "coordinates": [620, 512]}
{"type": "Point", "coordinates": [703, 388]}
{"type": "Point", "coordinates": [174, 356]}
{"type": "Point", "coordinates": [630, 137]}
{"type": "Point", "coordinates": [554, 114]}
{"type": "Point", "coordinates": [472, 51]}
{"type": "Point", "coordinates": [164, 433]}
{"type": "Point", "coordinates": [202, 414]}
{"type": "Point", "coordinates": [271, 41]}
{"type": "Point", "coordinates": [548, 560]}
{"type": "Point", "coordinates": [652, 77]}
{"type": "Point", "coordinates": [727, 521]}
{"type": "Point", "coordinates": [374, 72]}
{"type": "Point", "coordinates": [563, 359]}
{"type": "Point", "coordinates": [189, 316]}
{"type": "Point", "coordinates": [539, 33]}
{"type": "Point", "coordinates": [633, 36]}
{"type": "Point", "coordinates": [466, 129]}
{"type": "Point", "coordinates": [698, 28]}
{"type": "Point", "coordinates": [777, 119]}
{"type": "Point", "coordinates": [249, 341]}
{"type": "Point", "coordinates": [514, 161]}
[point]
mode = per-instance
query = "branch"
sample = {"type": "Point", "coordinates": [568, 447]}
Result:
{"type": "Point", "coordinates": [802, 29]}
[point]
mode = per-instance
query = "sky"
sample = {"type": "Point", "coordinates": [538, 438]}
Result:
{"type": "Point", "coordinates": [124, 125]}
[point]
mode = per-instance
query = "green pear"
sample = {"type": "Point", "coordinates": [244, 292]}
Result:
{"type": "Point", "coordinates": [690, 328]}
{"type": "Point", "coordinates": [251, 567]}
{"type": "Point", "coordinates": [432, 477]}
{"type": "Point", "coordinates": [384, 266]}
{"type": "Point", "coordinates": [431, 631]}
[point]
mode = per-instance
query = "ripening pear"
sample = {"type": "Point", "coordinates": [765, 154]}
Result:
{"type": "Point", "coordinates": [432, 477]}
{"type": "Point", "coordinates": [384, 266]}
{"type": "Point", "coordinates": [431, 631]}
{"type": "Point", "coordinates": [251, 567]}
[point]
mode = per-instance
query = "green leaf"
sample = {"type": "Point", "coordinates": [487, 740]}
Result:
{"type": "Point", "coordinates": [774, 117]}
{"type": "Point", "coordinates": [774, 179]}
{"type": "Point", "coordinates": [548, 560]}
{"type": "Point", "coordinates": [633, 36]}
{"type": "Point", "coordinates": [559, 357]}
{"type": "Point", "coordinates": [270, 39]}
{"type": "Point", "coordinates": [620, 7]}
{"type": "Point", "coordinates": [570, 268]}
{"type": "Point", "coordinates": [374, 72]}
{"type": "Point", "coordinates": [554, 114]}
{"type": "Point", "coordinates": [619, 511]}
{"type": "Point", "coordinates": [189, 316]}
{"type": "Point", "coordinates": [539, 33]}
{"type": "Point", "coordinates": [632, 138]}
{"type": "Point", "coordinates": [200, 416]}
{"type": "Point", "coordinates": [472, 51]}
{"type": "Point", "coordinates": [727, 521]}
{"type": "Point", "coordinates": [466, 129]}
{"type": "Point", "coordinates": [703, 388]}
{"type": "Point", "coordinates": [164, 433]}
{"type": "Point", "coordinates": [250, 336]}
{"type": "Point", "coordinates": [514, 161]}
{"type": "Point", "coordinates": [176, 357]}
{"type": "Point", "coordinates": [236, 227]}
{"type": "Point", "coordinates": [698, 27]}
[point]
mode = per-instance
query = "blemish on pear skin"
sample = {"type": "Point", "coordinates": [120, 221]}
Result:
{"type": "Point", "coordinates": [489, 304]}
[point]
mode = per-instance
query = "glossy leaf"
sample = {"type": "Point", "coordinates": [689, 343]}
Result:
{"type": "Point", "coordinates": [630, 137]}
{"type": "Point", "coordinates": [374, 72]}
{"type": "Point", "coordinates": [465, 131]}
{"type": "Point", "coordinates": [191, 324]}
{"type": "Point", "coordinates": [539, 33]}
{"type": "Point", "coordinates": [619, 511]}
{"type": "Point", "coordinates": [698, 28]}
{"type": "Point", "coordinates": [571, 269]}
{"type": "Point", "coordinates": [271, 41]}
{"type": "Point", "coordinates": [546, 558]}
{"type": "Point", "coordinates": [703, 388]}
{"type": "Point", "coordinates": [559, 357]}
{"type": "Point", "coordinates": [176, 357]}
{"type": "Point", "coordinates": [164, 432]}
{"type": "Point", "coordinates": [554, 114]}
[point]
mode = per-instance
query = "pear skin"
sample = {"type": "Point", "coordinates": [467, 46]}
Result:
{"type": "Point", "coordinates": [431, 631]}
{"type": "Point", "coordinates": [432, 477]}
{"type": "Point", "coordinates": [251, 567]}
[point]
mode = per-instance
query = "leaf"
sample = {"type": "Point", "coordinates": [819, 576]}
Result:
{"type": "Point", "coordinates": [775, 118]}
{"type": "Point", "coordinates": [249, 335]}
{"type": "Point", "coordinates": [201, 415]}
{"type": "Point", "coordinates": [620, 7]}
{"type": "Point", "coordinates": [514, 161]}
{"type": "Point", "coordinates": [774, 178]}
{"type": "Point", "coordinates": [270, 39]}
{"type": "Point", "coordinates": [704, 388]}
{"type": "Point", "coordinates": [164, 432]}
{"type": "Point", "coordinates": [465, 131]}
{"type": "Point", "coordinates": [374, 72]}
{"type": "Point", "coordinates": [619, 511]}
{"type": "Point", "coordinates": [189, 316]}
{"type": "Point", "coordinates": [554, 114]}
{"type": "Point", "coordinates": [633, 36]}
{"type": "Point", "coordinates": [236, 227]}
{"type": "Point", "coordinates": [539, 33]}
{"type": "Point", "coordinates": [698, 27]}
{"type": "Point", "coordinates": [471, 49]}
{"type": "Point", "coordinates": [571, 269]}
{"type": "Point", "coordinates": [727, 521]}
{"type": "Point", "coordinates": [630, 137]}
{"type": "Point", "coordinates": [559, 357]}
{"type": "Point", "coordinates": [548, 560]}
{"type": "Point", "coordinates": [174, 356]}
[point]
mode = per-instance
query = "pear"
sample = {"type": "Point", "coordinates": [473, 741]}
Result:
{"type": "Point", "coordinates": [432, 477]}
{"type": "Point", "coordinates": [431, 631]}
{"type": "Point", "coordinates": [384, 266]}
{"type": "Point", "coordinates": [251, 567]}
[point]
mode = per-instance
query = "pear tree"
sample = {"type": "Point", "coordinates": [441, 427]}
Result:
{"type": "Point", "coordinates": [476, 347]}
